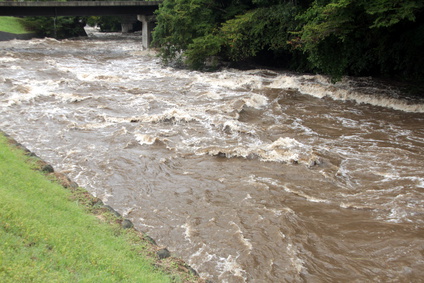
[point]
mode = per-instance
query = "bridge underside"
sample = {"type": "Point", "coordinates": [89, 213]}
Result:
{"type": "Point", "coordinates": [141, 10]}
{"type": "Point", "coordinates": [76, 11]}
{"type": "Point", "coordinates": [78, 8]}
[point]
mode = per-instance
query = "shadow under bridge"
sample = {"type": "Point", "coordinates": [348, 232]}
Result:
{"type": "Point", "coordinates": [140, 10]}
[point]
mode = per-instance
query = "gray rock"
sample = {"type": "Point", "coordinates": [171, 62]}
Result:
{"type": "Point", "coordinates": [127, 224]}
{"type": "Point", "coordinates": [163, 253]}
{"type": "Point", "coordinates": [192, 271]}
{"type": "Point", "coordinates": [47, 168]}
{"type": "Point", "coordinates": [150, 239]}
{"type": "Point", "coordinates": [113, 211]}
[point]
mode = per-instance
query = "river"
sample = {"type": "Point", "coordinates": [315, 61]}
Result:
{"type": "Point", "coordinates": [248, 175]}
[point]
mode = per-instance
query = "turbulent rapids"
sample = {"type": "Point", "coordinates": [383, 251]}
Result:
{"type": "Point", "coordinates": [249, 176]}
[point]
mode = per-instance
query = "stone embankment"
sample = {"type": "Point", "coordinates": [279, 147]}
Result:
{"type": "Point", "coordinates": [9, 36]}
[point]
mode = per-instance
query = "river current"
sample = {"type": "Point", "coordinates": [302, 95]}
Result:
{"type": "Point", "coordinates": [249, 176]}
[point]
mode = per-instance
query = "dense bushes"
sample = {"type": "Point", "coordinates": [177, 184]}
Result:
{"type": "Point", "coordinates": [335, 37]}
{"type": "Point", "coordinates": [59, 27]}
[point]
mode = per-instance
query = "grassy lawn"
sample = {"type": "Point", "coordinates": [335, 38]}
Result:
{"type": "Point", "coordinates": [12, 25]}
{"type": "Point", "coordinates": [47, 234]}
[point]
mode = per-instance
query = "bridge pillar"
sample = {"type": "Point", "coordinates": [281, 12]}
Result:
{"type": "Point", "coordinates": [126, 28]}
{"type": "Point", "coordinates": [148, 23]}
{"type": "Point", "coordinates": [127, 23]}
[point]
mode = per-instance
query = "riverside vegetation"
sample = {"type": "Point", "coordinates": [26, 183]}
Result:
{"type": "Point", "coordinates": [50, 234]}
{"type": "Point", "coordinates": [334, 37]}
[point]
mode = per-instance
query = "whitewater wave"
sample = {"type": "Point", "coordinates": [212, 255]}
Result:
{"type": "Point", "coordinates": [283, 150]}
{"type": "Point", "coordinates": [321, 86]}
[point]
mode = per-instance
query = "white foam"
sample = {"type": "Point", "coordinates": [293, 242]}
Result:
{"type": "Point", "coordinates": [71, 97]}
{"type": "Point", "coordinates": [257, 101]}
{"type": "Point", "coordinates": [246, 242]}
{"type": "Point", "coordinates": [231, 265]}
{"type": "Point", "coordinates": [24, 93]}
{"type": "Point", "coordinates": [296, 262]}
{"type": "Point", "coordinates": [143, 139]}
{"type": "Point", "coordinates": [172, 115]}
{"type": "Point", "coordinates": [305, 196]}
{"type": "Point", "coordinates": [223, 265]}
{"type": "Point", "coordinates": [283, 150]}
{"type": "Point", "coordinates": [188, 231]}
{"type": "Point", "coordinates": [231, 79]}
{"type": "Point", "coordinates": [235, 126]}
{"type": "Point", "coordinates": [320, 86]}
{"type": "Point", "coordinates": [8, 60]}
{"type": "Point", "coordinates": [398, 215]}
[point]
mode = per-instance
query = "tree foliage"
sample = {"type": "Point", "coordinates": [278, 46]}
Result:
{"type": "Point", "coordinates": [59, 27]}
{"type": "Point", "coordinates": [258, 29]}
{"type": "Point", "coordinates": [233, 29]}
{"type": "Point", "coordinates": [363, 37]}
{"type": "Point", "coordinates": [335, 37]}
{"type": "Point", "coordinates": [180, 22]}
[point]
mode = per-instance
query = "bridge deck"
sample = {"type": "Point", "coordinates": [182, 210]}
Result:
{"type": "Point", "coordinates": [78, 8]}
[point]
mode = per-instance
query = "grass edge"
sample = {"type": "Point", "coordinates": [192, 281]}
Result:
{"type": "Point", "coordinates": [176, 268]}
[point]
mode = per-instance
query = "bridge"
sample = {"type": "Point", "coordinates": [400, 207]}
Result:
{"type": "Point", "coordinates": [142, 10]}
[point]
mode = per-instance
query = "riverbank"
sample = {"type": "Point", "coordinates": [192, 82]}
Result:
{"type": "Point", "coordinates": [9, 36]}
{"type": "Point", "coordinates": [13, 25]}
{"type": "Point", "coordinates": [12, 28]}
{"type": "Point", "coordinates": [53, 230]}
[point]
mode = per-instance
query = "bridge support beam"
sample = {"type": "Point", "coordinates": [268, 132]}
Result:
{"type": "Point", "coordinates": [148, 23]}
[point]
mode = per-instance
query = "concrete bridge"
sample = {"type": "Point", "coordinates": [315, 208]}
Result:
{"type": "Point", "coordinates": [140, 10]}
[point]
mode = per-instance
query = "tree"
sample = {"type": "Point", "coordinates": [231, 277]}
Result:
{"type": "Point", "coordinates": [59, 27]}
{"type": "Point", "coordinates": [338, 37]}
{"type": "Point", "coordinates": [379, 37]}
{"type": "Point", "coordinates": [233, 29]}
{"type": "Point", "coordinates": [179, 22]}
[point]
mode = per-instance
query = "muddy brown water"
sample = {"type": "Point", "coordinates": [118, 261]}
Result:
{"type": "Point", "coordinates": [249, 176]}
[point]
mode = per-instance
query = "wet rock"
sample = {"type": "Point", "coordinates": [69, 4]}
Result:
{"type": "Point", "coordinates": [73, 185]}
{"type": "Point", "coordinates": [98, 202]}
{"type": "Point", "coordinates": [70, 183]}
{"type": "Point", "coordinates": [47, 168]}
{"type": "Point", "coordinates": [113, 211]}
{"type": "Point", "coordinates": [293, 161]}
{"type": "Point", "coordinates": [127, 224]}
{"type": "Point", "coordinates": [150, 239]}
{"type": "Point", "coordinates": [24, 149]}
{"type": "Point", "coordinates": [4, 134]}
{"type": "Point", "coordinates": [163, 253]}
{"type": "Point", "coordinates": [314, 162]}
{"type": "Point", "coordinates": [65, 181]}
{"type": "Point", "coordinates": [192, 271]}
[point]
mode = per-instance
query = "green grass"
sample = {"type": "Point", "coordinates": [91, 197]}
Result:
{"type": "Point", "coordinates": [12, 25]}
{"type": "Point", "coordinates": [47, 236]}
